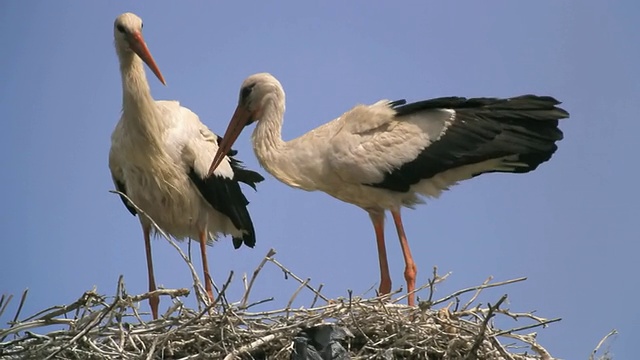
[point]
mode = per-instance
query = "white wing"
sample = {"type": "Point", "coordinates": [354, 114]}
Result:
{"type": "Point", "coordinates": [191, 142]}
{"type": "Point", "coordinates": [373, 141]}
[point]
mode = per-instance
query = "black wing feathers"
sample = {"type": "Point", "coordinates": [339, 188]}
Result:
{"type": "Point", "coordinates": [225, 195]}
{"type": "Point", "coordinates": [484, 129]}
{"type": "Point", "coordinates": [240, 173]}
{"type": "Point", "coordinates": [121, 188]}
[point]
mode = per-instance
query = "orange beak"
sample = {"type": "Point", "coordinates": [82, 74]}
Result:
{"type": "Point", "coordinates": [138, 46]}
{"type": "Point", "coordinates": [239, 120]}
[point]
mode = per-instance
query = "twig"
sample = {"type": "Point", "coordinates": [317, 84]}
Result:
{"type": "Point", "coordinates": [258, 303]}
{"type": "Point", "coordinates": [222, 293]}
{"type": "Point", "coordinates": [476, 294]}
{"type": "Point", "coordinates": [531, 341]}
{"type": "Point", "coordinates": [460, 292]}
{"type": "Point", "coordinates": [501, 348]}
{"type": "Point", "coordinates": [173, 293]}
{"type": "Point", "coordinates": [247, 348]}
{"type": "Point", "coordinates": [526, 327]}
{"type": "Point", "coordinates": [295, 294]}
{"type": "Point", "coordinates": [513, 315]}
{"type": "Point", "coordinates": [21, 304]}
{"type": "Point", "coordinates": [473, 353]}
{"type": "Point", "coordinates": [432, 283]}
{"type": "Point", "coordinates": [602, 341]}
{"type": "Point", "coordinates": [315, 295]}
{"type": "Point", "coordinates": [298, 279]}
{"type": "Point", "coordinates": [3, 304]}
{"type": "Point", "coordinates": [245, 297]}
{"type": "Point", "coordinates": [63, 309]}
{"type": "Point", "coordinates": [369, 289]}
{"type": "Point", "coordinates": [152, 350]}
{"type": "Point", "coordinates": [33, 324]}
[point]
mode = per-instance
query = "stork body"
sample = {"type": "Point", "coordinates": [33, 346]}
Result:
{"type": "Point", "coordinates": [392, 154]}
{"type": "Point", "coordinates": [160, 153]}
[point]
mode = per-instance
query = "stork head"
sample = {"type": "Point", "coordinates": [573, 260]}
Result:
{"type": "Point", "coordinates": [257, 90]}
{"type": "Point", "coordinates": [127, 32]}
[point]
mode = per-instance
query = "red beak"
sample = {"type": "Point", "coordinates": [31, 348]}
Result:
{"type": "Point", "coordinates": [239, 120]}
{"type": "Point", "coordinates": [140, 47]}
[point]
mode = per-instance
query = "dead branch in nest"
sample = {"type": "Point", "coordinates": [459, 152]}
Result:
{"type": "Point", "coordinates": [605, 356]}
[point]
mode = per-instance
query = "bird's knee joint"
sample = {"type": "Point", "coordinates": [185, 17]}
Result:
{"type": "Point", "coordinates": [410, 272]}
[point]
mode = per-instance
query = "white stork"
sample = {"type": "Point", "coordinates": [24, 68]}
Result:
{"type": "Point", "coordinates": [160, 152]}
{"type": "Point", "coordinates": [390, 154]}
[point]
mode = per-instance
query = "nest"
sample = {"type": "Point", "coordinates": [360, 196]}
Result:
{"type": "Point", "coordinates": [111, 327]}
{"type": "Point", "coordinates": [101, 327]}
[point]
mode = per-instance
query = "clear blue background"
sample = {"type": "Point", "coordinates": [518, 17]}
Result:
{"type": "Point", "coordinates": [570, 226]}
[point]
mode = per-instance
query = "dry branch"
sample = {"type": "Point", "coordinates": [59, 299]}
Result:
{"type": "Point", "coordinates": [600, 343]}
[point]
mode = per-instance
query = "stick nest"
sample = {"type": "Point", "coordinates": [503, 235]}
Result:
{"type": "Point", "coordinates": [109, 327]}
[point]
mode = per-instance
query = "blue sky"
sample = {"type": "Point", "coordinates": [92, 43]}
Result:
{"type": "Point", "coordinates": [570, 226]}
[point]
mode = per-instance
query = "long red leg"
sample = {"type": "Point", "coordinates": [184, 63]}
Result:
{"type": "Point", "coordinates": [378, 225]}
{"type": "Point", "coordinates": [410, 269]}
{"type": "Point", "coordinates": [154, 301]}
{"type": "Point", "coordinates": [205, 265]}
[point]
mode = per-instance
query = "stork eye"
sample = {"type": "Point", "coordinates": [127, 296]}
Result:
{"type": "Point", "coordinates": [120, 28]}
{"type": "Point", "coordinates": [141, 25]}
{"type": "Point", "coordinates": [246, 91]}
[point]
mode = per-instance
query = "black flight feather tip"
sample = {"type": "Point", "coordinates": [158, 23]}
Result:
{"type": "Point", "coordinates": [483, 129]}
{"type": "Point", "coordinates": [241, 174]}
{"type": "Point", "coordinates": [225, 195]}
